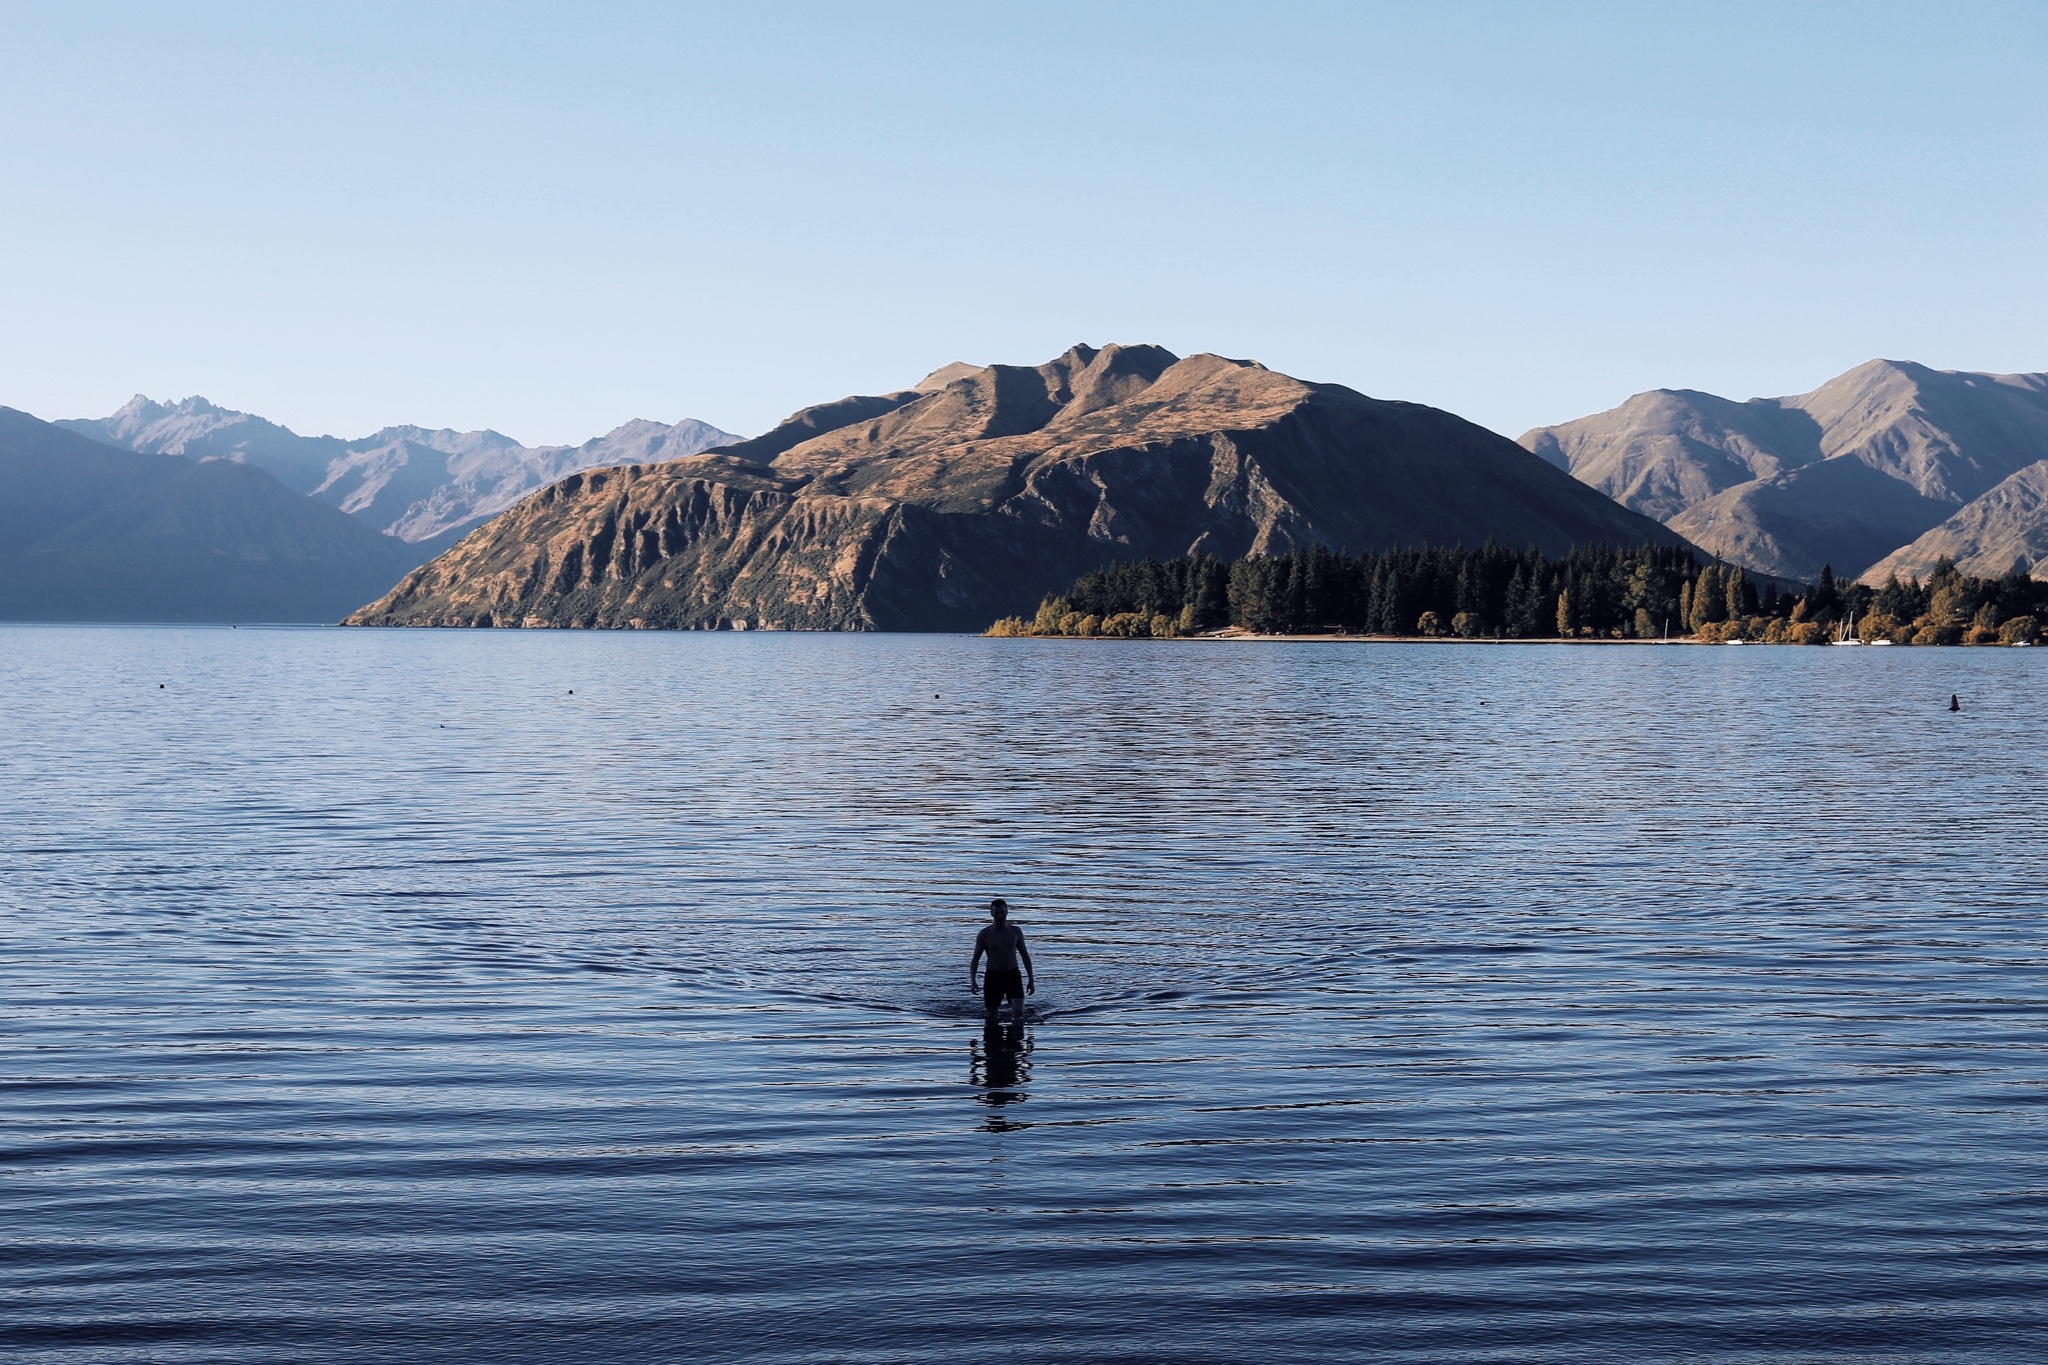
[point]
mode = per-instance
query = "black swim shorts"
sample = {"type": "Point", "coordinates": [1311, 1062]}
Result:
{"type": "Point", "coordinates": [995, 986]}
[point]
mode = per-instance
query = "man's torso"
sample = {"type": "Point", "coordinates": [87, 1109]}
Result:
{"type": "Point", "coordinates": [1000, 942]}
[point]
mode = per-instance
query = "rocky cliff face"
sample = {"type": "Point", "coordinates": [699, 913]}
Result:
{"type": "Point", "coordinates": [1844, 475]}
{"type": "Point", "coordinates": [969, 496]}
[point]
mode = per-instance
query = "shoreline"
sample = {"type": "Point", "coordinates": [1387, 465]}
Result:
{"type": "Point", "coordinates": [1234, 634]}
{"type": "Point", "coordinates": [1227, 636]}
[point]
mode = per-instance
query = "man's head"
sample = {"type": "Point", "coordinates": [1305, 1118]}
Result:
{"type": "Point", "coordinates": [998, 909]}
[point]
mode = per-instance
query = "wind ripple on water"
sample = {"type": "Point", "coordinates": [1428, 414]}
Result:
{"type": "Point", "coordinates": [371, 995]}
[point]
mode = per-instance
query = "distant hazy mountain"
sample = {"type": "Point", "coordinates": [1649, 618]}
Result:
{"type": "Point", "coordinates": [1834, 512]}
{"type": "Point", "coordinates": [973, 493]}
{"type": "Point", "coordinates": [421, 486]}
{"type": "Point", "coordinates": [2008, 525]}
{"type": "Point", "coordinates": [1871, 460]}
{"type": "Point", "coordinates": [92, 533]}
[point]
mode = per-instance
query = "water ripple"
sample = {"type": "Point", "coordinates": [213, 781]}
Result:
{"type": "Point", "coordinates": [369, 995]}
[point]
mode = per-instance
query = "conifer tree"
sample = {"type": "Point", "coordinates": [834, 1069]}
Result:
{"type": "Point", "coordinates": [1524, 605]}
{"type": "Point", "coordinates": [1825, 598]}
{"type": "Point", "coordinates": [1741, 594]}
{"type": "Point", "coordinates": [1467, 598]}
{"type": "Point", "coordinates": [1709, 598]}
{"type": "Point", "coordinates": [1247, 591]}
{"type": "Point", "coordinates": [1596, 589]}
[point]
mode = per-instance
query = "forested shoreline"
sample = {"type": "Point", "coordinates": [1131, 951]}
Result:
{"type": "Point", "coordinates": [1594, 592]}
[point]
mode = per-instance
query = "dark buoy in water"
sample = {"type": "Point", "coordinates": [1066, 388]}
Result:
{"type": "Point", "coordinates": [159, 687]}
{"type": "Point", "coordinates": [1954, 703]}
{"type": "Point", "coordinates": [572, 691]}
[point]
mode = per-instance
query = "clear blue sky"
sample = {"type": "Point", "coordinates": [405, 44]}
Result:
{"type": "Point", "coordinates": [549, 219]}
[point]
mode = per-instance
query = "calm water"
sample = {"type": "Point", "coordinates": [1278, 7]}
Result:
{"type": "Point", "coordinates": [371, 996]}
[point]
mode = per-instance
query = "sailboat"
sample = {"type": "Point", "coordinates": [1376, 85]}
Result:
{"type": "Point", "coordinates": [1848, 635]}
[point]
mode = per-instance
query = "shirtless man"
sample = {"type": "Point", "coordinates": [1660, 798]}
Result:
{"type": "Point", "coordinates": [1003, 942]}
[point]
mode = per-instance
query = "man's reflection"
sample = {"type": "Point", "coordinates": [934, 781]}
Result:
{"type": "Point", "coordinates": [999, 1066]}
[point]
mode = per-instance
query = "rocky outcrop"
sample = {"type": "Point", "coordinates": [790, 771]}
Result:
{"type": "Point", "coordinates": [970, 495]}
{"type": "Point", "coordinates": [1844, 475]}
{"type": "Point", "coordinates": [91, 533]}
{"type": "Point", "coordinates": [421, 486]}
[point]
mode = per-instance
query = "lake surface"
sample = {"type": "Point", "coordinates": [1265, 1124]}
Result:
{"type": "Point", "coordinates": [372, 995]}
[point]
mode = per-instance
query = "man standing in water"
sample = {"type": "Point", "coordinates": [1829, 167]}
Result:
{"type": "Point", "coordinates": [1003, 942]}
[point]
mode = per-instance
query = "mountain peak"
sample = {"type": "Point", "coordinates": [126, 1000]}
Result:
{"type": "Point", "coordinates": [947, 374]}
{"type": "Point", "coordinates": [415, 483]}
{"type": "Point", "coordinates": [1872, 459]}
{"type": "Point", "coordinates": [143, 407]}
{"type": "Point", "coordinates": [943, 506]}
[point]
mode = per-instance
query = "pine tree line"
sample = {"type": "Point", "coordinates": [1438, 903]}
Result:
{"type": "Point", "coordinates": [1643, 592]}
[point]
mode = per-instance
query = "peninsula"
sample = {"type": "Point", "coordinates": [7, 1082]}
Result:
{"type": "Point", "coordinates": [977, 491]}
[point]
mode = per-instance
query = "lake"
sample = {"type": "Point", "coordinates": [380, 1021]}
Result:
{"type": "Point", "coordinates": [526, 996]}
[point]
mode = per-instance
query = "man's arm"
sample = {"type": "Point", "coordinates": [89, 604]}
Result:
{"type": "Point", "coordinates": [980, 947]}
{"type": "Point", "coordinates": [1030, 975]}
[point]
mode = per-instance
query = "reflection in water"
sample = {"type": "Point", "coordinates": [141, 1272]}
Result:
{"type": "Point", "coordinates": [999, 1066]}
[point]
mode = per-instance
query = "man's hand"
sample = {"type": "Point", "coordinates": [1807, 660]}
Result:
{"type": "Point", "coordinates": [973, 987]}
{"type": "Point", "coordinates": [1031, 987]}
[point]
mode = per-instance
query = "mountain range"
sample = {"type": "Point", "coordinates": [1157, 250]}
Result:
{"type": "Point", "coordinates": [193, 512]}
{"type": "Point", "coordinates": [92, 533]}
{"type": "Point", "coordinates": [426, 488]}
{"type": "Point", "coordinates": [1880, 470]}
{"type": "Point", "coordinates": [971, 494]}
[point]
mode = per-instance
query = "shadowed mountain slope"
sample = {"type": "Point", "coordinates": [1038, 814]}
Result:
{"type": "Point", "coordinates": [91, 533]}
{"type": "Point", "coordinates": [1830, 512]}
{"type": "Point", "coordinates": [969, 496]}
{"type": "Point", "coordinates": [1732, 476]}
{"type": "Point", "coordinates": [421, 486]}
{"type": "Point", "coordinates": [1664, 451]}
{"type": "Point", "coordinates": [1986, 538]}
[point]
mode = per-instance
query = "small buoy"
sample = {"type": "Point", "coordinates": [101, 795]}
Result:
{"type": "Point", "coordinates": [159, 687]}
{"type": "Point", "coordinates": [572, 691]}
{"type": "Point", "coordinates": [1954, 703]}
{"type": "Point", "coordinates": [935, 696]}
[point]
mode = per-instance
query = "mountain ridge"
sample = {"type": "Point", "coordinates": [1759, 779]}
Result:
{"type": "Point", "coordinates": [1843, 475]}
{"type": "Point", "coordinates": [421, 485]}
{"type": "Point", "coordinates": [91, 532]}
{"type": "Point", "coordinates": [2008, 526]}
{"type": "Point", "coordinates": [964, 498]}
